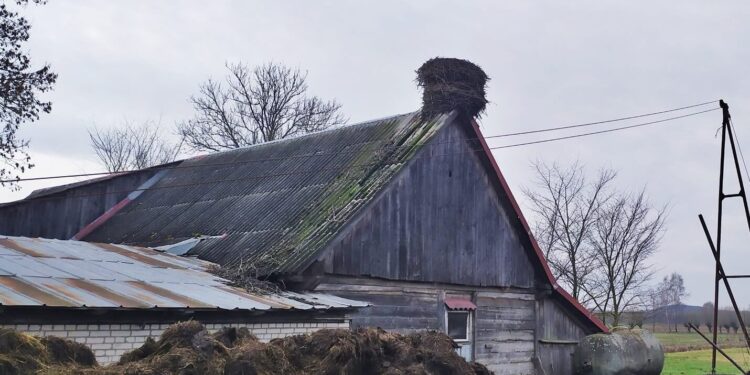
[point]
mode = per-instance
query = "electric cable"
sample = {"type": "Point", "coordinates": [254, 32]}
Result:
{"type": "Point", "coordinates": [366, 165]}
{"type": "Point", "coordinates": [169, 166]}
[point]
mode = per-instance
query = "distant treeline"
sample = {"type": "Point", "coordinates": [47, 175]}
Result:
{"type": "Point", "coordinates": [678, 318]}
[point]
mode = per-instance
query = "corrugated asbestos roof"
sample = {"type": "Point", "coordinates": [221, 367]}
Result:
{"type": "Point", "coordinates": [58, 273]}
{"type": "Point", "coordinates": [275, 204]}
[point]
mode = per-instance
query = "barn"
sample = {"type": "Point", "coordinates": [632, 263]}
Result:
{"type": "Point", "coordinates": [408, 213]}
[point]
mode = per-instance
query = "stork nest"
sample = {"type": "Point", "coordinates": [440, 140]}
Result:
{"type": "Point", "coordinates": [452, 84]}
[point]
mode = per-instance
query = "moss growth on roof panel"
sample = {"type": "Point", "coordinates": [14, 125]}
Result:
{"type": "Point", "coordinates": [367, 172]}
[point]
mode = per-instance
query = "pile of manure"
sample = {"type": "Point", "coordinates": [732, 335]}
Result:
{"type": "Point", "coordinates": [452, 84]}
{"type": "Point", "coordinates": [187, 348]}
{"type": "Point", "coordinates": [372, 351]}
{"type": "Point", "coordinates": [22, 354]}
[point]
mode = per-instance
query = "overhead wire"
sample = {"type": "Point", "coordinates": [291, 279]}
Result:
{"type": "Point", "coordinates": [603, 131]}
{"type": "Point", "coordinates": [364, 165]}
{"type": "Point", "coordinates": [600, 122]}
{"type": "Point", "coordinates": [179, 166]}
{"type": "Point", "coordinates": [739, 147]}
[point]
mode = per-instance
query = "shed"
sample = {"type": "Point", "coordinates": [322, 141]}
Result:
{"type": "Point", "coordinates": [113, 297]}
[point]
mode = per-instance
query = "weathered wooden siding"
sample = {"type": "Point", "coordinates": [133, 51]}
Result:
{"type": "Point", "coordinates": [396, 306]}
{"type": "Point", "coordinates": [440, 220]}
{"type": "Point", "coordinates": [503, 323]}
{"type": "Point", "coordinates": [62, 214]}
{"type": "Point", "coordinates": [557, 334]}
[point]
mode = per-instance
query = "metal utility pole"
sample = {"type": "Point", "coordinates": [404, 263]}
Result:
{"type": "Point", "coordinates": [720, 275]}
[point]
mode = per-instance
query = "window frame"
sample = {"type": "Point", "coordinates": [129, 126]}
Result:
{"type": "Point", "coordinates": [469, 325]}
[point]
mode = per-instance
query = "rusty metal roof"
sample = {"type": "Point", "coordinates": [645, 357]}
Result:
{"type": "Point", "coordinates": [63, 273]}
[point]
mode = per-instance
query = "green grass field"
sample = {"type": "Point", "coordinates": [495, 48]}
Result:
{"type": "Point", "coordinates": [698, 362]}
{"type": "Point", "coordinates": [683, 341]}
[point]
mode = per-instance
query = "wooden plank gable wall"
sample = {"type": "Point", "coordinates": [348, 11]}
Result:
{"type": "Point", "coordinates": [62, 214]}
{"type": "Point", "coordinates": [441, 228]}
{"type": "Point", "coordinates": [440, 220]}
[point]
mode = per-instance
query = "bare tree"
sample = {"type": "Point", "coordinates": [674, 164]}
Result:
{"type": "Point", "coordinates": [256, 105]}
{"type": "Point", "coordinates": [567, 206]}
{"type": "Point", "coordinates": [132, 147]}
{"type": "Point", "coordinates": [707, 313]}
{"type": "Point", "coordinates": [675, 286]}
{"type": "Point", "coordinates": [627, 232]}
{"type": "Point", "coordinates": [669, 292]}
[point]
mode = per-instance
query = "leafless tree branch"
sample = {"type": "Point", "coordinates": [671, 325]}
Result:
{"type": "Point", "coordinates": [566, 205]}
{"type": "Point", "coordinates": [132, 147]}
{"type": "Point", "coordinates": [597, 242]}
{"type": "Point", "coordinates": [254, 106]}
{"type": "Point", "coordinates": [626, 234]}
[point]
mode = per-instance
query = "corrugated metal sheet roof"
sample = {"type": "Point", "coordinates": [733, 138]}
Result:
{"type": "Point", "coordinates": [281, 200]}
{"type": "Point", "coordinates": [59, 273]}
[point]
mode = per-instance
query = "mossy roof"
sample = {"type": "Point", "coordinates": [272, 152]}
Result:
{"type": "Point", "coordinates": [274, 205]}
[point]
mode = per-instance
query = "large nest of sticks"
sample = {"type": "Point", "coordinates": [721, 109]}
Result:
{"type": "Point", "coordinates": [452, 84]}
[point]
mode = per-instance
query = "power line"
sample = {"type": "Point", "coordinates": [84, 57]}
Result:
{"type": "Point", "coordinates": [179, 166]}
{"type": "Point", "coordinates": [602, 131]}
{"type": "Point", "coordinates": [739, 147]}
{"type": "Point", "coordinates": [367, 165]}
{"type": "Point", "coordinates": [599, 122]}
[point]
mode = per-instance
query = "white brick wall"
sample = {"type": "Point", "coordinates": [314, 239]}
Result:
{"type": "Point", "coordinates": [110, 341]}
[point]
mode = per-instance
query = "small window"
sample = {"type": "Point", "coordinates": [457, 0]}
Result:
{"type": "Point", "coordinates": [459, 325]}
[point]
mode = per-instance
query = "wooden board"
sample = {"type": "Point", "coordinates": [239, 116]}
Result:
{"type": "Point", "coordinates": [440, 220]}
{"type": "Point", "coordinates": [504, 321]}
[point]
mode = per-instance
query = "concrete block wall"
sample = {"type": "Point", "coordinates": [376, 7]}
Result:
{"type": "Point", "coordinates": [110, 341]}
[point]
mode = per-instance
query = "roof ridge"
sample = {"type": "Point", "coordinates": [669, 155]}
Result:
{"type": "Point", "coordinates": [45, 191]}
{"type": "Point", "coordinates": [305, 135]}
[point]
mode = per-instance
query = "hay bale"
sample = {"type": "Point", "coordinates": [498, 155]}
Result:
{"type": "Point", "coordinates": [63, 351]}
{"type": "Point", "coordinates": [452, 84]}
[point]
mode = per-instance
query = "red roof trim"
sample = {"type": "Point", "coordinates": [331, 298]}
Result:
{"type": "Point", "coordinates": [459, 304]}
{"type": "Point", "coordinates": [537, 250]}
{"type": "Point", "coordinates": [103, 218]}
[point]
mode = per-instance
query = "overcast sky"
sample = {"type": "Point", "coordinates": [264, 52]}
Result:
{"type": "Point", "coordinates": [551, 64]}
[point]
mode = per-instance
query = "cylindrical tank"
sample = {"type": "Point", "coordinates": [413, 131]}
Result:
{"type": "Point", "coordinates": [623, 352]}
